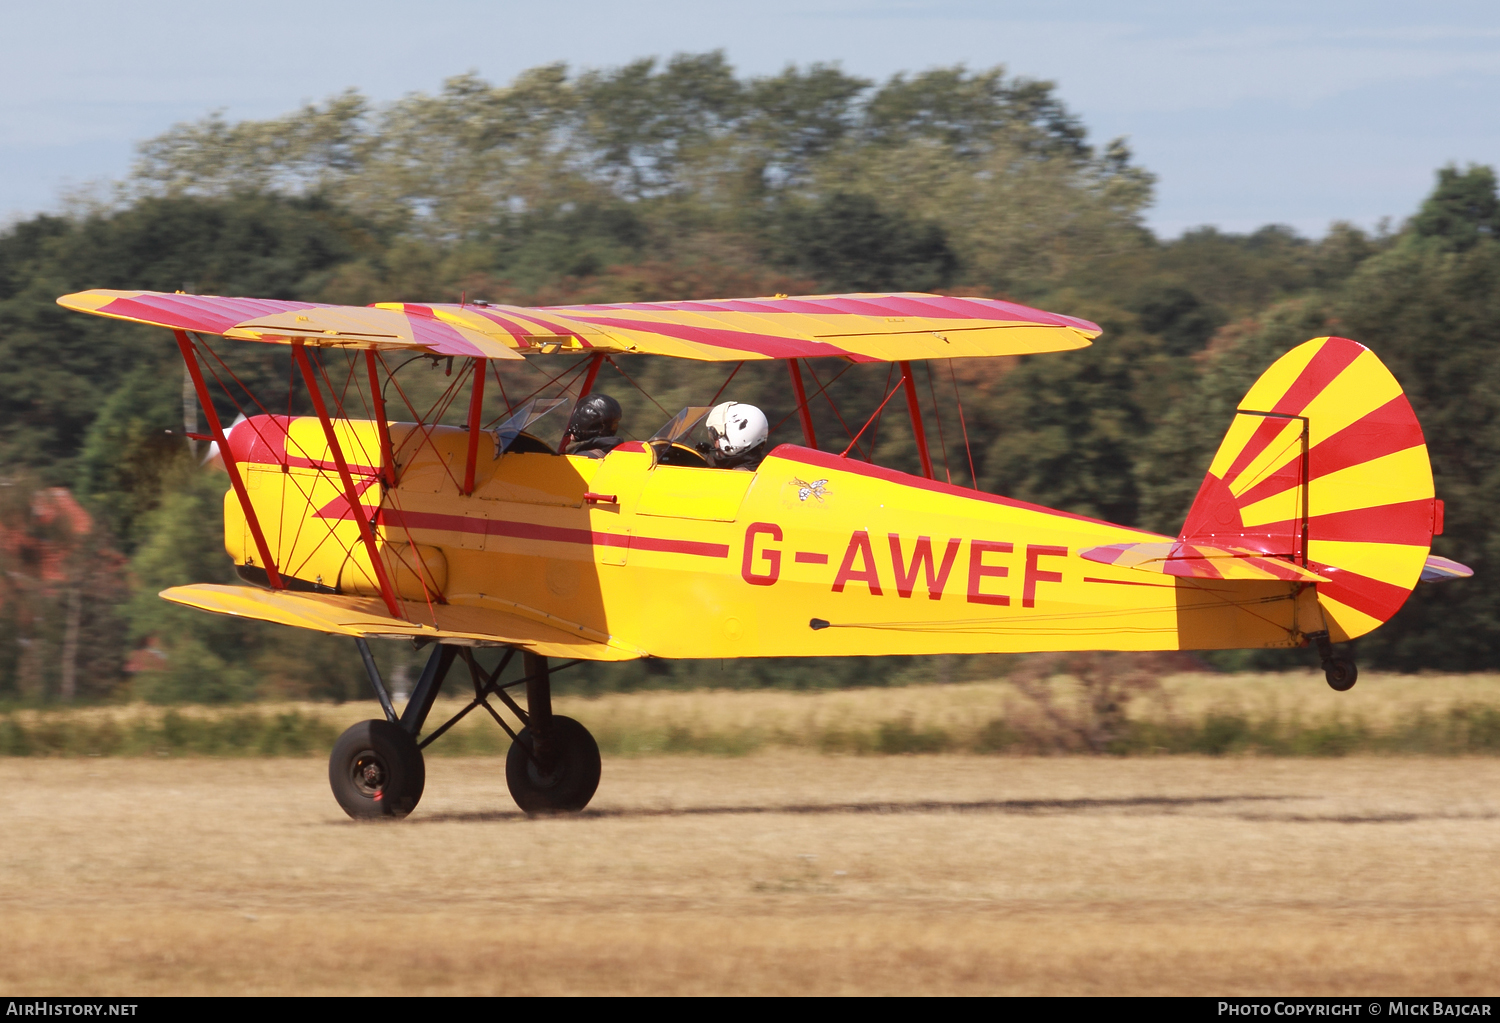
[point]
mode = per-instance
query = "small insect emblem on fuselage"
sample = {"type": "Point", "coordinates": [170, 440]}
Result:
{"type": "Point", "coordinates": [815, 489]}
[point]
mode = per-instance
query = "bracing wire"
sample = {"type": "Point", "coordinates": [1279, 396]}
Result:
{"type": "Point", "coordinates": [973, 477]}
{"type": "Point", "coordinates": [820, 390]}
{"type": "Point", "coordinates": [715, 399]}
{"type": "Point", "coordinates": [937, 414]}
{"type": "Point", "coordinates": [823, 389]}
{"type": "Point", "coordinates": [890, 372]}
{"type": "Point", "coordinates": [637, 386]}
{"type": "Point", "coordinates": [891, 394]}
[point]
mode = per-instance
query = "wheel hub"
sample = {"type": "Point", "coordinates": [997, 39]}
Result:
{"type": "Point", "coordinates": [544, 779]}
{"type": "Point", "coordinates": [369, 774]}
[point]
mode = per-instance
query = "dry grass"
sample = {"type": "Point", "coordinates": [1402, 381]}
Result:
{"type": "Point", "coordinates": [780, 872]}
{"type": "Point", "coordinates": [961, 716]}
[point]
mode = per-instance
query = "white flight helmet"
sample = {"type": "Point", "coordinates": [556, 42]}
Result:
{"type": "Point", "coordinates": [736, 427]}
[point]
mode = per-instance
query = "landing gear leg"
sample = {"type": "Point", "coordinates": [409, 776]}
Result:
{"type": "Point", "coordinates": [376, 767]}
{"type": "Point", "coordinates": [553, 765]}
{"type": "Point", "coordinates": [1341, 672]}
{"type": "Point", "coordinates": [539, 707]}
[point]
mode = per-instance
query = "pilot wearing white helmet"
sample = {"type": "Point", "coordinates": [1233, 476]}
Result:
{"type": "Point", "coordinates": [737, 436]}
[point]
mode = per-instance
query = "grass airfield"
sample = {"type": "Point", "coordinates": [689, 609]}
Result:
{"type": "Point", "coordinates": [782, 871]}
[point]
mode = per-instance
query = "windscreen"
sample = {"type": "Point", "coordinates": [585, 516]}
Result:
{"type": "Point", "coordinates": [680, 425]}
{"type": "Point", "coordinates": [507, 432]}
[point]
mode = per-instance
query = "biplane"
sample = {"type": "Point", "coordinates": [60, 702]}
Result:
{"type": "Point", "coordinates": [1313, 523]}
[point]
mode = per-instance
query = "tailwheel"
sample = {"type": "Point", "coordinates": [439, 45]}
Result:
{"type": "Point", "coordinates": [376, 770]}
{"type": "Point", "coordinates": [561, 776]}
{"type": "Point", "coordinates": [1341, 673]}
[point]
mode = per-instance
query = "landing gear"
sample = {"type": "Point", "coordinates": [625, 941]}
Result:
{"type": "Point", "coordinates": [1341, 672]}
{"type": "Point", "coordinates": [570, 777]}
{"type": "Point", "coordinates": [553, 764]}
{"type": "Point", "coordinates": [376, 769]}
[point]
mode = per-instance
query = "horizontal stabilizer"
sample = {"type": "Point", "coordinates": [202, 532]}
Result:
{"type": "Point", "coordinates": [1438, 569]}
{"type": "Point", "coordinates": [513, 625]}
{"type": "Point", "coordinates": [1199, 561]}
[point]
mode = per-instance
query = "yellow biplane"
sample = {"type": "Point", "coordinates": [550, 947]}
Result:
{"type": "Point", "coordinates": [1312, 525]}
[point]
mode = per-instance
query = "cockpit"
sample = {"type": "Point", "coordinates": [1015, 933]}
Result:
{"type": "Point", "coordinates": [672, 444]}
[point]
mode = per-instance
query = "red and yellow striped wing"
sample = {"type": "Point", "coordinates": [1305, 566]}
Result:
{"type": "Point", "coordinates": [864, 328]}
{"type": "Point", "coordinates": [284, 320]}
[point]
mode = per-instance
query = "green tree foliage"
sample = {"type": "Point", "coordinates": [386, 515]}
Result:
{"type": "Point", "coordinates": [57, 368]}
{"type": "Point", "coordinates": [1430, 311]}
{"type": "Point", "coordinates": [1064, 433]}
{"type": "Point", "coordinates": [848, 242]}
{"type": "Point", "coordinates": [996, 164]}
{"type": "Point", "coordinates": [1462, 210]}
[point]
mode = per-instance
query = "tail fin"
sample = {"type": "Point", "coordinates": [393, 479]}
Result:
{"type": "Point", "coordinates": [1325, 465]}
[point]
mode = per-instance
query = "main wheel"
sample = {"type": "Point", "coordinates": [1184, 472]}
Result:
{"type": "Point", "coordinates": [574, 774]}
{"type": "Point", "coordinates": [1341, 674]}
{"type": "Point", "coordinates": [376, 770]}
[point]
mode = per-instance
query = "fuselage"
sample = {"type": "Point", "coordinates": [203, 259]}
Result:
{"type": "Point", "coordinates": [812, 554]}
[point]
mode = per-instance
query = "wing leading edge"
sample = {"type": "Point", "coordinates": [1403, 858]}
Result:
{"type": "Point", "coordinates": [512, 625]}
{"type": "Point", "coordinates": [1200, 561]}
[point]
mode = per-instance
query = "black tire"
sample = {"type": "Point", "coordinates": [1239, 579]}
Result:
{"type": "Point", "coordinates": [574, 777]}
{"type": "Point", "coordinates": [376, 771]}
{"type": "Point", "coordinates": [1341, 673]}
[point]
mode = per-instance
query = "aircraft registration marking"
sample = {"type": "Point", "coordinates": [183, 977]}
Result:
{"type": "Point", "coordinates": [760, 565]}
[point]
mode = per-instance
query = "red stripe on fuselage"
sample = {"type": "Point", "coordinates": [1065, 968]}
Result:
{"type": "Point", "coordinates": [824, 460]}
{"type": "Point", "coordinates": [553, 534]}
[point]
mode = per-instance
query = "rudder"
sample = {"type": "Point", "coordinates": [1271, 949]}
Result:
{"type": "Point", "coordinates": [1325, 464]}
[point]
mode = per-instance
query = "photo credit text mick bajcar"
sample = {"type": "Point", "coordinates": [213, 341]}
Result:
{"type": "Point", "coordinates": [1399, 1007]}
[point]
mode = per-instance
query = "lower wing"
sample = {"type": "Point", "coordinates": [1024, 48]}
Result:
{"type": "Point", "coordinates": [512, 625]}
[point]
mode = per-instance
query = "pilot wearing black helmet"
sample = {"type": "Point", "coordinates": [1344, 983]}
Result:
{"type": "Point", "coordinates": [594, 426]}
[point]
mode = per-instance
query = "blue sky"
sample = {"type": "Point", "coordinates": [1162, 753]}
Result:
{"type": "Point", "coordinates": [1249, 113]}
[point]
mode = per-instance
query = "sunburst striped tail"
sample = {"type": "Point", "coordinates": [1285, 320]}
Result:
{"type": "Point", "coordinates": [1324, 465]}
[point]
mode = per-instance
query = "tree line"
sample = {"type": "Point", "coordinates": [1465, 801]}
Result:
{"type": "Point", "coordinates": [679, 179]}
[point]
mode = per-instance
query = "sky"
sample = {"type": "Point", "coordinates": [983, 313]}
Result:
{"type": "Point", "coordinates": [1248, 113]}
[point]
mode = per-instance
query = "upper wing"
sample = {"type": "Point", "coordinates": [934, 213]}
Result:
{"type": "Point", "coordinates": [865, 328]}
{"type": "Point", "coordinates": [1199, 561]}
{"type": "Point", "coordinates": [279, 320]}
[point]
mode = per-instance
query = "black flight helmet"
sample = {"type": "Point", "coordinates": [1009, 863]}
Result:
{"type": "Point", "coordinates": [598, 415]}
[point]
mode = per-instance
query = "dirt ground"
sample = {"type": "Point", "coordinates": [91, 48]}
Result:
{"type": "Point", "coordinates": [775, 873]}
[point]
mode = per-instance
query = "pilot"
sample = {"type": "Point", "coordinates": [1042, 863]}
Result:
{"type": "Point", "coordinates": [737, 436]}
{"type": "Point", "coordinates": [593, 429]}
